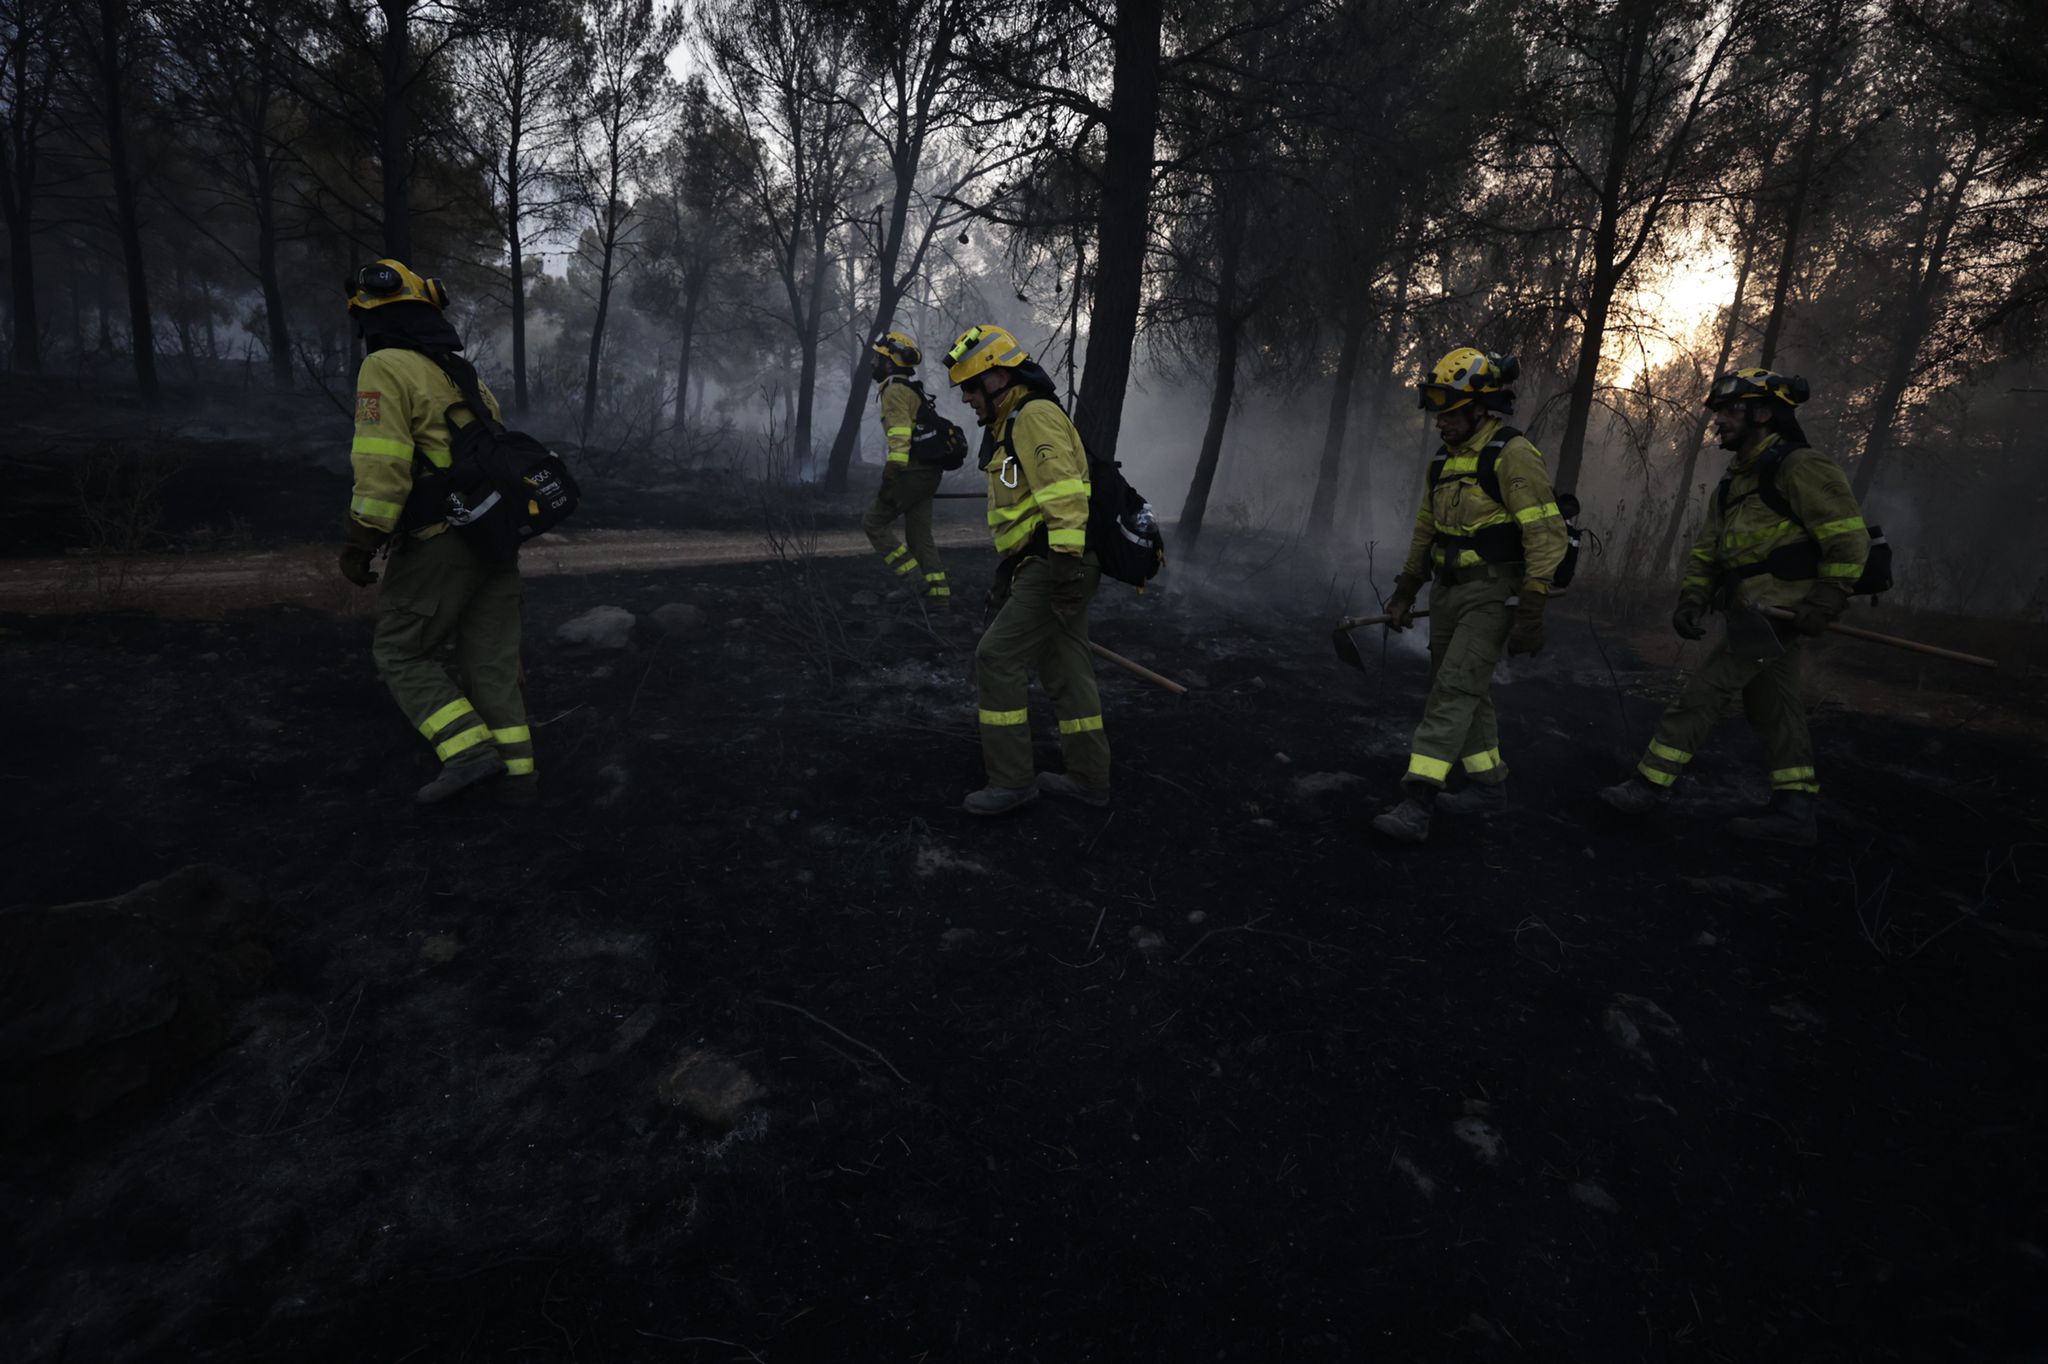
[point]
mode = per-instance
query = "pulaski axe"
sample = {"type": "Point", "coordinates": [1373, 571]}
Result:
{"type": "Point", "coordinates": [1751, 638]}
{"type": "Point", "coordinates": [1347, 648]}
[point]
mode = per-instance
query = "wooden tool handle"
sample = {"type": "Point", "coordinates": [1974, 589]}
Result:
{"type": "Point", "coordinates": [1356, 622]}
{"type": "Point", "coordinates": [1910, 645]}
{"type": "Point", "coordinates": [1140, 669]}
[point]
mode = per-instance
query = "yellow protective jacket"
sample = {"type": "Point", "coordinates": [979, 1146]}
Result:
{"type": "Point", "coordinates": [1749, 531]}
{"type": "Point", "coordinates": [1459, 506]}
{"type": "Point", "coordinates": [1037, 477]}
{"type": "Point", "coordinates": [402, 401]}
{"type": "Point", "coordinates": [900, 402]}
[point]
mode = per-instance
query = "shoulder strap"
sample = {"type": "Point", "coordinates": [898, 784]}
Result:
{"type": "Point", "coordinates": [1436, 464]}
{"type": "Point", "coordinates": [462, 374]}
{"type": "Point", "coordinates": [1767, 466]}
{"type": "Point", "coordinates": [1007, 446]}
{"type": "Point", "coordinates": [1489, 461]}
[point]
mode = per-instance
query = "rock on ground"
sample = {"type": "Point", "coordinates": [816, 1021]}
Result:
{"type": "Point", "coordinates": [678, 618]}
{"type": "Point", "coordinates": [601, 627]}
{"type": "Point", "coordinates": [710, 1088]}
{"type": "Point", "coordinates": [106, 998]}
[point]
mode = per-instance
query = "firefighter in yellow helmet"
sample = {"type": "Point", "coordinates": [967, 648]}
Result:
{"type": "Point", "coordinates": [1038, 515]}
{"type": "Point", "coordinates": [1490, 533]}
{"type": "Point", "coordinates": [1781, 529]}
{"type": "Point", "coordinates": [907, 485]}
{"type": "Point", "coordinates": [437, 591]}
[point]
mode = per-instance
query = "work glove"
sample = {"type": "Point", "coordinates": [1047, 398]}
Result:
{"type": "Point", "coordinates": [354, 560]}
{"type": "Point", "coordinates": [1689, 621]}
{"type": "Point", "coordinates": [1069, 584]}
{"type": "Point", "coordinates": [1401, 606]}
{"type": "Point", "coordinates": [889, 472]}
{"type": "Point", "coordinates": [1822, 604]}
{"type": "Point", "coordinates": [1526, 635]}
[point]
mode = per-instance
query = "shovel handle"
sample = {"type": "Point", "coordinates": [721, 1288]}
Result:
{"type": "Point", "coordinates": [1910, 645]}
{"type": "Point", "coordinates": [1138, 668]}
{"type": "Point", "coordinates": [1355, 622]}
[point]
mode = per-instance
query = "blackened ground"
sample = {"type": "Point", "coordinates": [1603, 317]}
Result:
{"type": "Point", "coordinates": [227, 480]}
{"type": "Point", "coordinates": [1211, 1074]}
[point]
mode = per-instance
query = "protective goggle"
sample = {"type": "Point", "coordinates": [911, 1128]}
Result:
{"type": "Point", "coordinates": [1438, 398]}
{"type": "Point", "coordinates": [383, 281]}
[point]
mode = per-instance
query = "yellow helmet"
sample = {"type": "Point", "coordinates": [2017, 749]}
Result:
{"type": "Point", "coordinates": [980, 349]}
{"type": "Point", "coordinates": [390, 281]}
{"type": "Point", "coordinates": [898, 349]}
{"type": "Point", "coordinates": [1745, 384]}
{"type": "Point", "coordinates": [1467, 373]}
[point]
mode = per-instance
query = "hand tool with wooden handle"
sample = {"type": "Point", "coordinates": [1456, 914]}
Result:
{"type": "Point", "coordinates": [1347, 651]}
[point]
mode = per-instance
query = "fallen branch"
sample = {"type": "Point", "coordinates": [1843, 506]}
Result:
{"type": "Point", "coordinates": [837, 1032]}
{"type": "Point", "coordinates": [701, 1340]}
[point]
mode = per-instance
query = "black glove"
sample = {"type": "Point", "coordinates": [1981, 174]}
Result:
{"type": "Point", "coordinates": [354, 560]}
{"type": "Point", "coordinates": [1401, 606]}
{"type": "Point", "coordinates": [1069, 584]}
{"type": "Point", "coordinates": [1823, 603]}
{"type": "Point", "coordinates": [1689, 621]}
{"type": "Point", "coordinates": [1526, 637]}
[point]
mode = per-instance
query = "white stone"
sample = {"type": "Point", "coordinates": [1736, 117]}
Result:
{"type": "Point", "coordinates": [601, 627]}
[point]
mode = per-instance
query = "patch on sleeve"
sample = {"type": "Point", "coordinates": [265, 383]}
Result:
{"type": "Point", "coordinates": [367, 407]}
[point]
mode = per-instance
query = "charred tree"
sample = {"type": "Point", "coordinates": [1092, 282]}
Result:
{"type": "Point", "coordinates": [517, 69]}
{"type": "Point", "coordinates": [33, 43]}
{"type": "Point", "coordinates": [1132, 129]}
{"type": "Point", "coordinates": [914, 47]}
{"type": "Point", "coordinates": [624, 72]}
{"type": "Point", "coordinates": [1658, 75]}
{"type": "Point", "coordinates": [1925, 270]}
{"type": "Point", "coordinates": [1731, 326]}
{"type": "Point", "coordinates": [112, 37]}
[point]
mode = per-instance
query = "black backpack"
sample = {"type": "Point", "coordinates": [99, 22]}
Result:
{"type": "Point", "coordinates": [1122, 531]}
{"type": "Point", "coordinates": [501, 487]}
{"type": "Point", "coordinates": [1803, 559]}
{"type": "Point", "coordinates": [1502, 544]}
{"type": "Point", "coordinates": [935, 441]}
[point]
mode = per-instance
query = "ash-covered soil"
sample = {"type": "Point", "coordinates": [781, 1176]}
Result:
{"type": "Point", "coordinates": [748, 1044]}
{"type": "Point", "coordinates": [223, 479]}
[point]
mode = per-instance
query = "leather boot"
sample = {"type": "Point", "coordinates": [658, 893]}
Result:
{"type": "Point", "coordinates": [1789, 819]}
{"type": "Point", "coordinates": [1407, 822]}
{"type": "Point", "coordinates": [998, 800]}
{"type": "Point", "coordinates": [1475, 799]}
{"type": "Point", "coordinates": [479, 764]}
{"type": "Point", "coordinates": [1634, 796]}
{"type": "Point", "coordinates": [1060, 784]}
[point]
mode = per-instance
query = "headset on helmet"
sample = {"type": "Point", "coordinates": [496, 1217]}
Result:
{"type": "Point", "coordinates": [1757, 383]}
{"type": "Point", "coordinates": [980, 349]}
{"type": "Point", "coordinates": [1466, 375]}
{"type": "Point", "coordinates": [390, 281]}
{"type": "Point", "coordinates": [898, 349]}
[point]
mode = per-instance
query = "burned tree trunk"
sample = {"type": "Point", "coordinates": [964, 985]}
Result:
{"type": "Point", "coordinates": [1675, 523]}
{"type": "Point", "coordinates": [1133, 127]}
{"type": "Point", "coordinates": [1322, 512]}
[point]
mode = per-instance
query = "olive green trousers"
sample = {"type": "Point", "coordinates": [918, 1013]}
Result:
{"type": "Point", "coordinates": [1769, 694]}
{"type": "Point", "coordinates": [1028, 634]}
{"type": "Point", "coordinates": [908, 494]}
{"type": "Point", "coordinates": [1468, 630]}
{"type": "Point", "coordinates": [439, 594]}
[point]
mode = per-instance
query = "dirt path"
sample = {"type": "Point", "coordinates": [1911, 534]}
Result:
{"type": "Point", "coordinates": [206, 584]}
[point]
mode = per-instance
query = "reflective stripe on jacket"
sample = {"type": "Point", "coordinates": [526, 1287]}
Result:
{"type": "Point", "coordinates": [1044, 483]}
{"type": "Point", "coordinates": [1751, 530]}
{"type": "Point", "coordinates": [900, 403]}
{"type": "Point", "coordinates": [402, 400]}
{"type": "Point", "coordinates": [1459, 506]}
